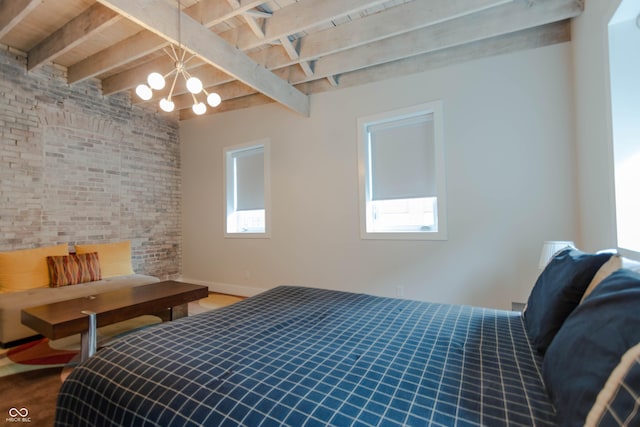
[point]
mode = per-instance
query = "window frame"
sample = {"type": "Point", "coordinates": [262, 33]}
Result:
{"type": "Point", "coordinates": [625, 155]}
{"type": "Point", "coordinates": [228, 182]}
{"type": "Point", "coordinates": [365, 192]}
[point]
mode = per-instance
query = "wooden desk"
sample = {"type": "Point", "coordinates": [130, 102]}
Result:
{"type": "Point", "coordinates": [84, 315]}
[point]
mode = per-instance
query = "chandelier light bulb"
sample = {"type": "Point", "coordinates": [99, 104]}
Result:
{"type": "Point", "coordinates": [167, 105]}
{"type": "Point", "coordinates": [214, 99]}
{"type": "Point", "coordinates": [194, 85]}
{"type": "Point", "coordinates": [156, 81]}
{"type": "Point", "coordinates": [199, 108]}
{"type": "Point", "coordinates": [144, 92]}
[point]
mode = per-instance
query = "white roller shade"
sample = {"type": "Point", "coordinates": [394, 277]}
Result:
{"type": "Point", "coordinates": [249, 169]}
{"type": "Point", "coordinates": [402, 164]}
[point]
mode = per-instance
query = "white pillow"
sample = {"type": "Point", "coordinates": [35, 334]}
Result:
{"type": "Point", "coordinates": [615, 262]}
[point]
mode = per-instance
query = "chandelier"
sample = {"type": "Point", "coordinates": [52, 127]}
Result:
{"type": "Point", "coordinates": [157, 81]}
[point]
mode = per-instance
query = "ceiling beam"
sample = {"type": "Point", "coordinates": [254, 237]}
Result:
{"type": "Point", "coordinates": [295, 18]}
{"type": "Point", "coordinates": [557, 32]}
{"type": "Point", "coordinates": [401, 19]}
{"type": "Point", "coordinates": [71, 34]}
{"type": "Point", "coordinates": [212, 12]}
{"type": "Point", "coordinates": [411, 15]}
{"type": "Point", "coordinates": [374, 27]}
{"type": "Point", "coordinates": [488, 24]}
{"type": "Point", "coordinates": [531, 38]}
{"type": "Point", "coordinates": [256, 27]}
{"type": "Point", "coordinates": [396, 20]}
{"type": "Point", "coordinates": [258, 13]}
{"type": "Point", "coordinates": [14, 11]}
{"type": "Point", "coordinates": [479, 26]}
{"type": "Point", "coordinates": [333, 81]}
{"type": "Point", "coordinates": [137, 46]}
{"type": "Point", "coordinates": [159, 17]}
{"type": "Point", "coordinates": [234, 3]}
{"type": "Point", "coordinates": [292, 51]}
{"type": "Point", "coordinates": [391, 22]}
{"type": "Point", "coordinates": [144, 43]}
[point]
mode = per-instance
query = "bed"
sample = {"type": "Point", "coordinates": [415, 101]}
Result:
{"type": "Point", "coordinates": [303, 356]}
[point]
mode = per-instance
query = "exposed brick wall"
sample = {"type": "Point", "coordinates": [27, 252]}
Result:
{"type": "Point", "coordinates": [78, 167]}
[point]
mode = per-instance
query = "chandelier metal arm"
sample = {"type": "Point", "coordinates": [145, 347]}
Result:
{"type": "Point", "coordinates": [171, 53]}
{"type": "Point", "coordinates": [173, 85]}
{"type": "Point", "coordinates": [189, 59]}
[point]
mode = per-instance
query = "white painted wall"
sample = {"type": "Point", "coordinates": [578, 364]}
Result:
{"type": "Point", "coordinates": [510, 165]}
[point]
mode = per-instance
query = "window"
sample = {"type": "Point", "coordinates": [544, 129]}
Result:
{"type": "Point", "coordinates": [247, 190]}
{"type": "Point", "coordinates": [624, 37]}
{"type": "Point", "coordinates": [401, 164]}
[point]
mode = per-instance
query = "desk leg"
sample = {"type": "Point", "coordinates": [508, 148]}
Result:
{"type": "Point", "coordinates": [88, 338]}
{"type": "Point", "coordinates": [179, 311]}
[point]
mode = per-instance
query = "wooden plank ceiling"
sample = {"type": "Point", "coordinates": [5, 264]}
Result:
{"type": "Point", "coordinates": [253, 52]}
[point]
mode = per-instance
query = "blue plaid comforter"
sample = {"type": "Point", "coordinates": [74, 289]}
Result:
{"type": "Point", "coordinates": [310, 357]}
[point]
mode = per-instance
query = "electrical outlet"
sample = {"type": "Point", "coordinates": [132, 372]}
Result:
{"type": "Point", "coordinates": [399, 291]}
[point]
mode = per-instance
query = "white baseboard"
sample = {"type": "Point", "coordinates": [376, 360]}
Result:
{"type": "Point", "coordinates": [225, 288]}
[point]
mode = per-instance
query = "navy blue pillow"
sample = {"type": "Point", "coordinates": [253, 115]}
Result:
{"type": "Point", "coordinates": [557, 292]}
{"type": "Point", "coordinates": [620, 401]}
{"type": "Point", "coordinates": [590, 345]}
